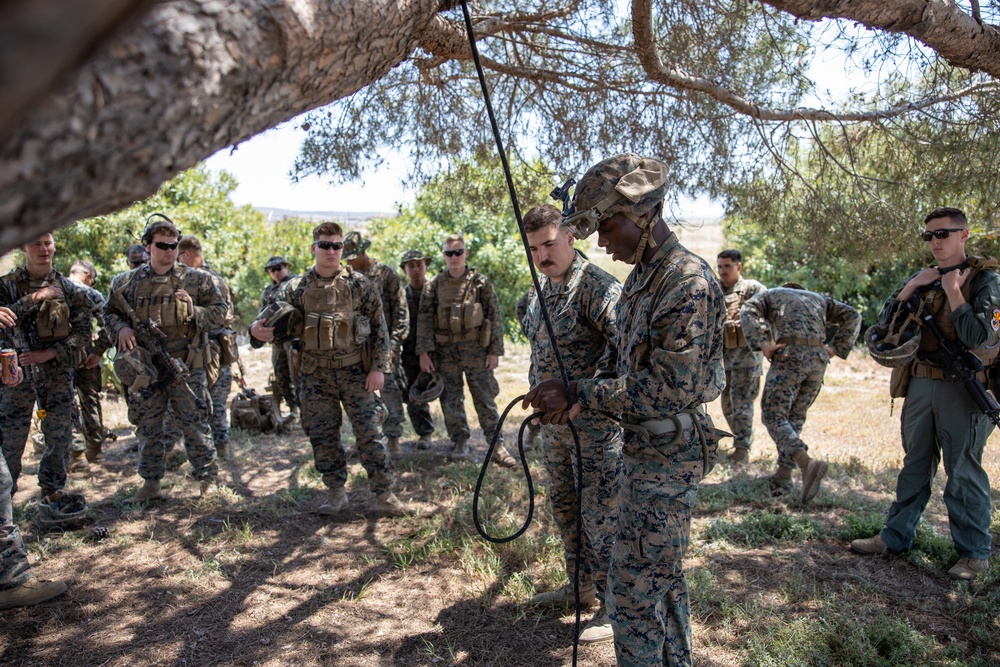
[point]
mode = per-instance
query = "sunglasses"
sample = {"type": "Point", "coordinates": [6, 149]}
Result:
{"type": "Point", "coordinates": [275, 269]}
{"type": "Point", "coordinates": [454, 253]}
{"type": "Point", "coordinates": [330, 245]}
{"type": "Point", "coordinates": [163, 245]}
{"type": "Point", "coordinates": [939, 233]}
{"type": "Point", "coordinates": [136, 264]}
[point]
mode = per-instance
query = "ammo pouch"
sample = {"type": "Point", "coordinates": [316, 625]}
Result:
{"type": "Point", "coordinates": [733, 337]}
{"type": "Point", "coordinates": [229, 351]}
{"type": "Point", "coordinates": [213, 367]}
{"type": "Point", "coordinates": [327, 331]}
{"type": "Point", "coordinates": [899, 381]}
{"type": "Point", "coordinates": [485, 333]}
{"type": "Point", "coordinates": [465, 317]}
{"type": "Point", "coordinates": [52, 321]}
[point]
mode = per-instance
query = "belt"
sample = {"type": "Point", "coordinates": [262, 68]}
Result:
{"type": "Point", "coordinates": [795, 340]}
{"type": "Point", "coordinates": [447, 338]}
{"type": "Point", "coordinates": [343, 362]}
{"type": "Point", "coordinates": [934, 373]}
{"type": "Point", "coordinates": [658, 427]}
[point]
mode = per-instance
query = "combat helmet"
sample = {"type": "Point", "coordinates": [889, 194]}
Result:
{"type": "Point", "coordinates": [895, 345]}
{"type": "Point", "coordinates": [412, 256]}
{"type": "Point", "coordinates": [354, 245]}
{"type": "Point", "coordinates": [67, 511]}
{"type": "Point", "coordinates": [283, 317]}
{"type": "Point", "coordinates": [628, 184]}
{"type": "Point", "coordinates": [426, 388]}
{"type": "Point", "coordinates": [135, 368]}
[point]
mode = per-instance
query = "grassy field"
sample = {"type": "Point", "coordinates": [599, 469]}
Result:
{"type": "Point", "coordinates": [250, 576]}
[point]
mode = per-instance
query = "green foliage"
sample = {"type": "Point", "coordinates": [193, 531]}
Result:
{"type": "Point", "coordinates": [762, 527]}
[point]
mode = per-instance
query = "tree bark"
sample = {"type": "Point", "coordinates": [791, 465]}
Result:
{"type": "Point", "coordinates": [190, 78]}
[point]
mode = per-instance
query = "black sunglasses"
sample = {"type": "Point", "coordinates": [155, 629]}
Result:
{"type": "Point", "coordinates": [272, 269]}
{"type": "Point", "coordinates": [163, 245]}
{"type": "Point", "coordinates": [137, 263]}
{"type": "Point", "coordinates": [329, 245]}
{"type": "Point", "coordinates": [454, 253]}
{"type": "Point", "coordinates": [939, 233]}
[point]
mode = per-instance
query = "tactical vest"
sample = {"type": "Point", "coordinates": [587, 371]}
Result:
{"type": "Point", "coordinates": [459, 316]}
{"type": "Point", "coordinates": [936, 303]}
{"type": "Point", "coordinates": [332, 326]}
{"type": "Point", "coordinates": [734, 336]}
{"type": "Point", "coordinates": [155, 300]}
{"type": "Point", "coordinates": [52, 320]}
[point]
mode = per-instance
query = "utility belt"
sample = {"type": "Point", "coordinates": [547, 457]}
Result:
{"type": "Point", "coordinates": [331, 364]}
{"type": "Point", "coordinates": [193, 357]}
{"type": "Point", "coordinates": [655, 428]}
{"type": "Point", "coordinates": [447, 338]}
{"type": "Point", "coordinates": [684, 421]}
{"type": "Point", "coordinates": [934, 373]}
{"type": "Point", "coordinates": [795, 340]}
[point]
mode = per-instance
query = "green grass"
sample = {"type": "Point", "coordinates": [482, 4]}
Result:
{"type": "Point", "coordinates": [761, 527]}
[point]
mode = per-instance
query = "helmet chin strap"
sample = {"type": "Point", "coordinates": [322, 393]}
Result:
{"type": "Point", "coordinates": [646, 225]}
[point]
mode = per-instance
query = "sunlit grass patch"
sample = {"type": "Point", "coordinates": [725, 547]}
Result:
{"type": "Point", "coordinates": [761, 527]}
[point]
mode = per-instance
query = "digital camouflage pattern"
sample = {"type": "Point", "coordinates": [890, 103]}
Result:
{"type": "Point", "coordinates": [284, 386]}
{"type": "Point", "coordinates": [397, 318]}
{"type": "Point", "coordinates": [322, 388]}
{"type": "Point", "coordinates": [743, 368]}
{"type": "Point", "coordinates": [420, 415]}
{"type": "Point", "coordinates": [220, 390]}
{"type": "Point", "coordinates": [89, 380]}
{"type": "Point", "coordinates": [53, 390]}
{"type": "Point", "coordinates": [796, 373]}
{"type": "Point", "coordinates": [468, 359]}
{"type": "Point", "coordinates": [14, 568]}
{"type": "Point", "coordinates": [147, 412]}
{"type": "Point", "coordinates": [582, 310]}
{"type": "Point", "coordinates": [670, 326]}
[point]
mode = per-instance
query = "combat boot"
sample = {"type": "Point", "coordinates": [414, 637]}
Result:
{"type": "Point", "coordinates": [968, 568]}
{"type": "Point", "coordinates": [77, 463]}
{"type": "Point", "coordinates": [423, 442]}
{"type": "Point", "coordinates": [387, 504]}
{"type": "Point", "coordinates": [869, 546]}
{"type": "Point", "coordinates": [534, 439]}
{"type": "Point", "coordinates": [207, 486]}
{"type": "Point", "coordinates": [563, 597]}
{"type": "Point", "coordinates": [812, 475]}
{"type": "Point", "coordinates": [150, 491]}
{"type": "Point", "coordinates": [503, 458]}
{"type": "Point", "coordinates": [336, 503]}
{"type": "Point", "coordinates": [598, 630]}
{"type": "Point", "coordinates": [739, 455]}
{"type": "Point", "coordinates": [780, 483]}
{"type": "Point", "coordinates": [30, 592]}
{"type": "Point", "coordinates": [460, 450]}
{"type": "Point", "coordinates": [94, 453]}
{"type": "Point", "coordinates": [392, 444]}
{"type": "Point", "coordinates": [222, 450]}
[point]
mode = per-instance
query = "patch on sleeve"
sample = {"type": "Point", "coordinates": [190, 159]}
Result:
{"type": "Point", "coordinates": [995, 320]}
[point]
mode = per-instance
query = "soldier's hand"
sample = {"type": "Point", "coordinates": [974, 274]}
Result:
{"type": "Point", "coordinates": [830, 351]}
{"type": "Point", "coordinates": [426, 365]}
{"type": "Point", "coordinates": [561, 418]}
{"type": "Point", "coordinates": [182, 295]}
{"type": "Point", "coordinates": [492, 361]}
{"type": "Point", "coordinates": [92, 361]}
{"type": "Point", "coordinates": [548, 396]}
{"type": "Point", "coordinates": [7, 317]}
{"type": "Point", "coordinates": [953, 280]}
{"type": "Point", "coordinates": [374, 381]}
{"type": "Point", "coordinates": [261, 333]}
{"type": "Point", "coordinates": [126, 339]}
{"type": "Point", "coordinates": [769, 350]}
{"type": "Point", "coordinates": [925, 277]}
{"type": "Point", "coordinates": [50, 292]}
{"type": "Point", "coordinates": [35, 357]}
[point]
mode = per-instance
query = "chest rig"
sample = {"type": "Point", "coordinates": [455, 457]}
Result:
{"type": "Point", "coordinates": [155, 301]}
{"type": "Point", "coordinates": [333, 331]}
{"type": "Point", "coordinates": [459, 316]}
{"type": "Point", "coordinates": [52, 320]}
{"type": "Point", "coordinates": [734, 336]}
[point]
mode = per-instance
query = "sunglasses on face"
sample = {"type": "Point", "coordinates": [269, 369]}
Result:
{"type": "Point", "coordinates": [163, 245]}
{"type": "Point", "coordinates": [330, 245]}
{"type": "Point", "coordinates": [454, 253]}
{"type": "Point", "coordinates": [275, 269]}
{"type": "Point", "coordinates": [135, 264]}
{"type": "Point", "coordinates": [939, 233]}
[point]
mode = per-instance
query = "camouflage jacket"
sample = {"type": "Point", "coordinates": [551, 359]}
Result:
{"type": "Point", "coordinates": [784, 312]}
{"type": "Point", "coordinates": [209, 306]}
{"type": "Point", "coordinates": [485, 295]}
{"type": "Point", "coordinates": [366, 303]}
{"type": "Point", "coordinates": [670, 325]}
{"type": "Point", "coordinates": [413, 310]}
{"type": "Point", "coordinates": [736, 358]}
{"type": "Point", "coordinates": [582, 310]}
{"type": "Point", "coordinates": [100, 343]}
{"type": "Point", "coordinates": [227, 295]}
{"type": "Point", "coordinates": [394, 306]}
{"type": "Point", "coordinates": [70, 350]}
{"type": "Point", "coordinates": [270, 293]}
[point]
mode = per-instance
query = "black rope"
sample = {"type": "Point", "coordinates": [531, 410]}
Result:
{"type": "Point", "coordinates": [555, 347]}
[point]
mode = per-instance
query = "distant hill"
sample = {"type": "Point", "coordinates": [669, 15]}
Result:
{"type": "Point", "coordinates": [347, 218]}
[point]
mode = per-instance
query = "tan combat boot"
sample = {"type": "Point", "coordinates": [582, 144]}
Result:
{"type": "Point", "coordinates": [150, 491]}
{"type": "Point", "coordinates": [207, 486]}
{"type": "Point", "coordinates": [387, 504]}
{"type": "Point", "coordinates": [503, 458]}
{"type": "Point", "coordinates": [460, 450]}
{"type": "Point", "coordinates": [813, 472]}
{"type": "Point", "coordinates": [77, 463]}
{"type": "Point", "coordinates": [222, 451]}
{"type": "Point", "coordinates": [392, 444]}
{"type": "Point", "coordinates": [30, 592]}
{"type": "Point", "coordinates": [598, 630]}
{"type": "Point", "coordinates": [336, 503]}
{"type": "Point", "coordinates": [968, 568]}
{"type": "Point", "coordinates": [739, 455]}
{"type": "Point", "coordinates": [869, 546]}
{"type": "Point", "coordinates": [94, 453]}
{"type": "Point", "coordinates": [563, 597]}
{"type": "Point", "coordinates": [423, 442]}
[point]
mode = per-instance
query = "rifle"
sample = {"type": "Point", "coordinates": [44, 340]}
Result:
{"type": "Point", "coordinates": [962, 366]}
{"type": "Point", "coordinates": [150, 336]}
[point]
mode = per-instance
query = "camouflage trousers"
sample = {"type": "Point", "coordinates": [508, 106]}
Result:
{"type": "Point", "coordinates": [420, 415]}
{"type": "Point", "coordinates": [14, 568]}
{"type": "Point", "coordinates": [647, 597]}
{"type": "Point", "coordinates": [88, 393]}
{"type": "Point", "coordinates": [392, 397]}
{"type": "Point", "coordinates": [793, 383]}
{"type": "Point", "coordinates": [319, 395]}
{"type": "Point", "coordinates": [220, 396]}
{"type": "Point", "coordinates": [468, 359]}
{"type": "Point", "coordinates": [148, 414]}
{"type": "Point", "coordinates": [54, 394]}
{"type": "Point", "coordinates": [742, 387]}
{"type": "Point", "coordinates": [284, 387]}
{"type": "Point", "coordinates": [600, 447]}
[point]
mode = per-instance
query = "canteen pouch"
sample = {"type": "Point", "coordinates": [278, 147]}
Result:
{"type": "Point", "coordinates": [310, 332]}
{"type": "Point", "coordinates": [229, 350]}
{"type": "Point", "coordinates": [213, 367]}
{"type": "Point", "coordinates": [899, 381]}
{"type": "Point", "coordinates": [485, 333]}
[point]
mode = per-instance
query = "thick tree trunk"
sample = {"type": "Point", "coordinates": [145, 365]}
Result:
{"type": "Point", "coordinates": [190, 78]}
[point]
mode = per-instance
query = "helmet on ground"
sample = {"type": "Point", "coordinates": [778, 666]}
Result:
{"type": "Point", "coordinates": [135, 368]}
{"type": "Point", "coordinates": [426, 388]}
{"type": "Point", "coordinates": [354, 245]}
{"type": "Point", "coordinates": [283, 317]}
{"type": "Point", "coordinates": [62, 510]}
{"type": "Point", "coordinates": [628, 183]}
{"type": "Point", "coordinates": [895, 345]}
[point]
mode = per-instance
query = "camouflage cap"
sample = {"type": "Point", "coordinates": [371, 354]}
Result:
{"type": "Point", "coordinates": [276, 262]}
{"type": "Point", "coordinates": [354, 245]}
{"type": "Point", "coordinates": [627, 183]}
{"type": "Point", "coordinates": [412, 256]}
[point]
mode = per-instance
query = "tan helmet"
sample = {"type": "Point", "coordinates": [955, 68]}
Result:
{"type": "Point", "coordinates": [135, 368]}
{"type": "Point", "coordinates": [426, 388]}
{"type": "Point", "coordinates": [895, 345]}
{"type": "Point", "coordinates": [628, 183]}
{"type": "Point", "coordinates": [284, 318]}
{"type": "Point", "coordinates": [354, 245]}
{"type": "Point", "coordinates": [67, 511]}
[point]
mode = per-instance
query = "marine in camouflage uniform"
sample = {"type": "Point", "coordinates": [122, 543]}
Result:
{"type": "Point", "coordinates": [53, 321]}
{"type": "Point", "coordinates": [789, 324]}
{"type": "Point", "coordinates": [670, 322]}
{"type": "Point", "coordinates": [344, 358]}
{"type": "Point", "coordinates": [940, 422]}
{"type": "Point", "coordinates": [183, 302]}
{"type": "Point", "coordinates": [743, 365]}
{"type": "Point", "coordinates": [461, 326]}
{"type": "Point", "coordinates": [581, 300]}
{"type": "Point", "coordinates": [414, 265]}
{"type": "Point", "coordinates": [397, 319]}
{"type": "Point", "coordinates": [284, 386]}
